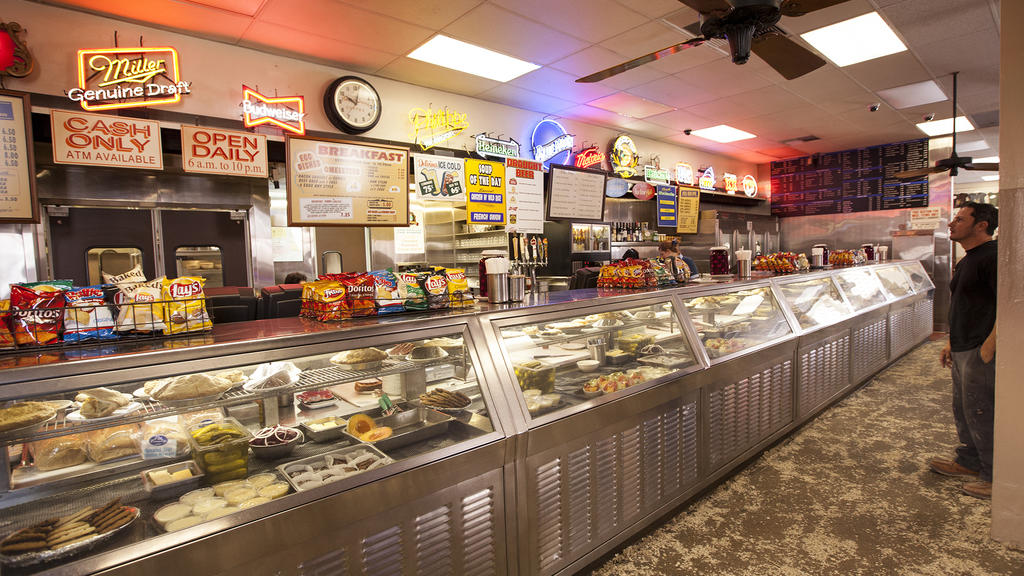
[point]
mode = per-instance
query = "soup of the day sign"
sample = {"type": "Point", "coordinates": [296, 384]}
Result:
{"type": "Point", "coordinates": [486, 190]}
{"type": "Point", "coordinates": [214, 151]}
{"type": "Point", "coordinates": [97, 140]}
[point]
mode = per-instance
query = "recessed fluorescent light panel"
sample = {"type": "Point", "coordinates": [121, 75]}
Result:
{"type": "Point", "coordinates": [986, 160]}
{"type": "Point", "coordinates": [991, 178]}
{"type": "Point", "coordinates": [945, 126]}
{"type": "Point", "coordinates": [471, 59]}
{"type": "Point", "coordinates": [855, 40]}
{"type": "Point", "coordinates": [723, 133]}
{"type": "Point", "coordinates": [913, 94]}
{"type": "Point", "coordinates": [972, 146]}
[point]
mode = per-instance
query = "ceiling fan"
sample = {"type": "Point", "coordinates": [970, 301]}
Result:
{"type": "Point", "coordinates": [748, 26]}
{"type": "Point", "coordinates": [954, 163]}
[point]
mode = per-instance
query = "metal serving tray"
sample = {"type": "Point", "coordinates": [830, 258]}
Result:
{"type": "Point", "coordinates": [412, 425]}
{"type": "Point", "coordinates": [318, 463]}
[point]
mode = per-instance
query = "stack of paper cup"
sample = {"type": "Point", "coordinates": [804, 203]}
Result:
{"type": "Point", "coordinates": [743, 263]}
{"type": "Point", "coordinates": [817, 257]}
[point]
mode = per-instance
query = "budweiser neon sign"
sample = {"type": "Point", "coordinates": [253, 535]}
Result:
{"type": "Point", "coordinates": [111, 78]}
{"type": "Point", "coordinates": [589, 157]}
{"type": "Point", "coordinates": [285, 112]}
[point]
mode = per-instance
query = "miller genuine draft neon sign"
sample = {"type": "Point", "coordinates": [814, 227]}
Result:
{"type": "Point", "coordinates": [110, 78]}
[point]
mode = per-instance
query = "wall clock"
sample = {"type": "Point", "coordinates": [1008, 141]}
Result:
{"type": "Point", "coordinates": [352, 104]}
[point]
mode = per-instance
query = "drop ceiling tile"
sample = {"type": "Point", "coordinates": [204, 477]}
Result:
{"type": "Point", "coordinates": [678, 120]}
{"type": "Point", "coordinates": [688, 59]}
{"type": "Point", "coordinates": [592, 115]}
{"type": "Point", "coordinates": [723, 78]}
{"type": "Point", "coordinates": [281, 40]}
{"type": "Point", "coordinates": [644, 39]}
{"type": "Point", "coordinates": [888, 71]}
{"type": "Point", "coordinates": [547, 80]}
{"type": "Point", "coordinates": [344, 23]}
{"type": "Point", "coordinates": [654, 8]}
{"type": "Point", "coordinates": [647, 129]}
{"type": "Point", "coordinates": [923, 21]}
{"type": "Point", "coordinates": [434, 14]}
{"type": "Point", "coordinates": [194, 19]}
{"type": "Point", "coordinates": [634, 77]}
{"type": "Point", "coordinates": [629, 105]}
{"type": "Point", "coordinates": [587, 61]}
{"type": "Point", "coordinates": [673, 91]}
{"type": "Point", "coordinates": [590, 20]}
{"type": "Point", "coordinates": [883, 119]}
{"type": "Point", "coordinates": [525, 99]}
{"type": "Point", "coordinates": [763, 101]}
{"type": "Point", "coordinates": [431, 76]}
{"type": "Point", "coordinates": [824, 17]}
{"type": "Point", "coordinates": [244, 7]}
{"type": "Point", "coordinates": [502, 31]}
{"type": "Point", "coordinates": [975, 56]}
{"type": "Point", "coordinates": [911, 95]}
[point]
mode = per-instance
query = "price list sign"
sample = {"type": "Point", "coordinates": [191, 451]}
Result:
{"type": "Point", "coordinates": [575, 194]}
{"type": "Point", "coordinates": [688, 210]}
{"type": "Point", "coordinates": [666, 206]}
{"type": "Point", "coordinates": [861, 180]}
{"type": "Point", "coordinates": [17, 173]}
{"type": "Point", "coordinates": [336, 183]}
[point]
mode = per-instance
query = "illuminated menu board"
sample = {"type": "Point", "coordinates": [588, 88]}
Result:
{"type": "Point", "coordinates": [861, 180]}
{"type": "Point", "coordinates": [575, 194]}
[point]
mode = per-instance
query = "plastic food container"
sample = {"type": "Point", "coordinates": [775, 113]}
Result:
{"type": "Point", "coordinates": [220, 449]}
{"type": "Point", "coordinates": [172, 489]}
{"type": "Point", "coordinates": [536, 375]}
{"type": "Point", "coordinates": [324, 429]}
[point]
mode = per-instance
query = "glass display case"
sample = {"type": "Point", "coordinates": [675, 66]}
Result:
{"type": "Point", "coordinates": [236, 442]}
{"type": "Point", "coordinates": [575, 357]}
{"type": "Point", "coordinates": [861, 288]}
{"type": "Point", "coordinates": [816, 302]}
{"type": "Point", "coordinates": [736, 321]}
{"type": "Point", "coordinates": [895, 282]}
{"type": "Point", "coordinates": [918, 277]}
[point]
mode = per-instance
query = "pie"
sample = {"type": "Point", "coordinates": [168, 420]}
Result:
{"type": "Point", "coordinates": [24, 414]}
{"type": "Point", "coordinates": [359, 356]}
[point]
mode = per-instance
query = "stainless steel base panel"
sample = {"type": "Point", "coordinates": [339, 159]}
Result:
{"type": "Point", "coordinates": [924, 312]}
{"type": "Point", "coordinates": [445, 518]}
{"type": "Point", "coordinates": [823, 368]}
{"type": "Point", "coordinates": [903, 329]}
{"type": "Point", "coordinates": [869, 341]}
{"type": "Point", "coordinates": [591, 476]}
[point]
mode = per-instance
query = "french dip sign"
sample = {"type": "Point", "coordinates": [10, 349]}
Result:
{"type": "Point", "coordinates": [112, 78]}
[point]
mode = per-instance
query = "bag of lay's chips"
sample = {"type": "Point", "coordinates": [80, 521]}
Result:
{"type": "Point", "coordinates": [87, 316]}
{"type": "Point", "coordinates": [37, 311]}
{"type": "Point", "coordinates": [389, 292]}
{"type": "Point", "coordinates": [458, 288]}
{"type": "Point", "coordinates": [359, 296]}
{"type": "Point", "coordinates": [416, 296]}
{"type": "Point", "coordinates": [435, 284]}
{"type": "Point", "coordinates": [186, 305]}
{"type": "Point", "coordinates": [141, 307]}
{"type": "Point", "coordinates": [6, 338]}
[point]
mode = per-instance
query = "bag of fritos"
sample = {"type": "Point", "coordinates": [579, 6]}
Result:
{"type": "Point", "coordinates": [458, 288]}
{"type": "Point", "coordinates": [328, 300]}
{"type": "Point", "coordinates": [37, 311]}
{"type": "Point", "coordinates": [6, 338]}
{"type": "Point", "coordinates": [87, 316]}
{"type": "Point", "coordinates": [186, 305]}
{"type": "Point", "coordinates": [142, 308]}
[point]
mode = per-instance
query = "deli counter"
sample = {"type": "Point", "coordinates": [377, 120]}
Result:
{"type": "Point", "coordinates": [530, 438]}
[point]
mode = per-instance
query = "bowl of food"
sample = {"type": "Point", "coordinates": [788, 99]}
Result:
{"type": "Point", "coordinates": [588, 365]}
{"type": "Point", "coordinates": [275, 442]}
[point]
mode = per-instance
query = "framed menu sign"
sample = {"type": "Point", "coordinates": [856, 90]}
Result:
{"type": "Point", "coordinates": [338, 183]}
{"type": "Point", "coordinates": [575, 194]}
{"type": "Point", "coordinates": [17, 172]}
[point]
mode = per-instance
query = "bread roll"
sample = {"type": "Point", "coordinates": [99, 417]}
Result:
{"type": "Point", "coordinates": [191, 386]}
{"type": "Point", "coordinates": [110, 443]}
{"type": "Point", "coordinates": [100, 402]}
{"type": "Point", "coordinates": [60, 452]}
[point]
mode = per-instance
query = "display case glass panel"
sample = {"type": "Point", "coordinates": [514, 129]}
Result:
{"type": "Point", "coordinates": [861, 287]}
{"type": "Point", "coordinates": [816, 302]}
{"type": "Point", "coordinates": [565, 362]}
{"type": "Point", "coordinates": [918, 277]}
{"type": "Point", "coordinates": [185, 449]}
{"type": "Point", "coordinates": [895, 282]}
{"type": "Point", "coordinates": [736, 321]}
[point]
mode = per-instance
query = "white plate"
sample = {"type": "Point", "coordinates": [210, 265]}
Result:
{"type": "Point", "coordinates": [443, 355]}
{"type": "Point", "coordinates": [572, 346]}
{"type": "Point", "coordinates": [141, 394]}
{"type": "Point", "coordinates": [59, 405]}
{"type": "Point", "coordinates": [76, 416]}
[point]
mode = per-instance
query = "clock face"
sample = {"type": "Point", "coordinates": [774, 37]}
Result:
{"type": "Point", "coordinates": [352, 104]}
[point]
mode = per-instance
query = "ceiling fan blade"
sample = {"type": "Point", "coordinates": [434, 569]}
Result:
{"type": "Point", "coordinates": [635, 62]}
{"type": "Point", "coordinates": [991, 166]}
{"type": "Point", "coordinates": [786, 56]}
{"type": "Point", "coordinates": [919, 172]}
{"type": "Point", "coordinates": [707, 6]}
{"type": "Point", "coordinates": [801, 7]}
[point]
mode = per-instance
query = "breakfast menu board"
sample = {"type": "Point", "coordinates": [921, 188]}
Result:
{"type": "Point", "coordinates": [17, 173]}
{"type": "Point", "coordinates": [336, 183]}
{"type": "Point", "coordinates": [861, 180]}
{"type": "Point", "coordinates": [575, 194]}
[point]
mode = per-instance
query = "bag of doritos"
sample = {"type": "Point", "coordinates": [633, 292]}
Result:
{"type": "Point", "coordinates": [359, 296]}
{"type": "Point", "coordinates": [37, 311]}
{"type": "Point", "coordinates": [458, 288]}
{"type": "Point", "coordinates": [87, 316]}
{"type": "Point", "coordinates": [389, 292]}
{"type": "Point", "coordinates": [142, 308]}
{"type": "Point", "coordinates": [416, 296]}
{"type": "Point", "coordinates": [435, 284]}
{"type": "Point", "coordinates": [186, 305]}
{"type": "Point", "coordinates": [6, 338]}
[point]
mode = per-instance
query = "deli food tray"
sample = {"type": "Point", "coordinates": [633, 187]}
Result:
{"type": "Point", "coordinates": [315, 471]}
{"type": "Point", "coordinates": [412, 425]}
{"type": "Point", "coordinates": [78, 547]}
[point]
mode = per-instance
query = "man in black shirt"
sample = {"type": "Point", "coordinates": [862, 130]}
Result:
{"type": "Point", "coordinates": [972, 347]}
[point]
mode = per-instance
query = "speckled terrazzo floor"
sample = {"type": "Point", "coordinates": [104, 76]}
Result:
{"type": "Point", "coordinates": [848, 494]}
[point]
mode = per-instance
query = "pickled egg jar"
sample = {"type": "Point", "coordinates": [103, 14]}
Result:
{"type": "Point", "coordinates": [718, 259]}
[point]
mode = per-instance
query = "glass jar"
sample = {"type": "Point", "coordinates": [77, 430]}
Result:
{"type": "Point", "coordinates": [869, 252]}
{"type": "Point", "coordinates": [718, 259]}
